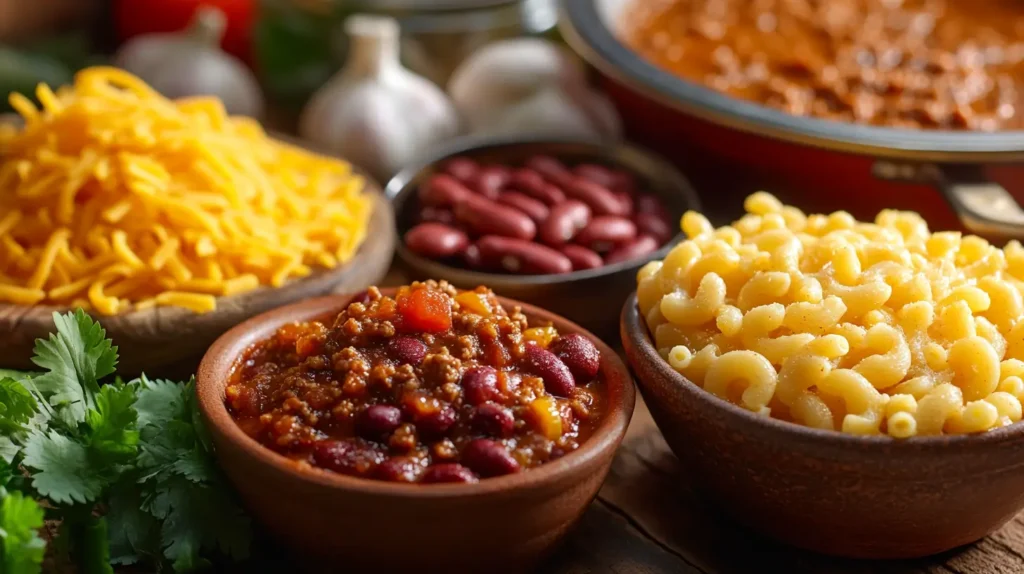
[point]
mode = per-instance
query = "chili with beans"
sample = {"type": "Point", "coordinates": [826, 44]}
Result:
{"type": "Point", "coordinates": [943, 64]}
{"type": "Point", "coordinates": [430, 386]}
{"type": "Point", "coordinates": [543, 217]}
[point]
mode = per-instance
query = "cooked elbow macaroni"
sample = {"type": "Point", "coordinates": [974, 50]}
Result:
{"type": "Point", "coordinates": [824, 321]}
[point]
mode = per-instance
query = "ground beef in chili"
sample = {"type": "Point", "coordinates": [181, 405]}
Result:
{"type": "Point", "coordinates": [432, 385]}
{"type": "Point", "coordinates": [944, 64]}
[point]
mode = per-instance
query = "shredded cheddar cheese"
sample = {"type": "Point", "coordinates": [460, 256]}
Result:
{"type": "Point", "coordinates": [114, 197]}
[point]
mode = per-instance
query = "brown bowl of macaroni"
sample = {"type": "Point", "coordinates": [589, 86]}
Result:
{"type": "Point", "coordinates": [850, 388]}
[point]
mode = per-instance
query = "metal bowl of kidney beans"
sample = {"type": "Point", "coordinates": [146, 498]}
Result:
{"type": "Point", "coordinates": [563, 224]}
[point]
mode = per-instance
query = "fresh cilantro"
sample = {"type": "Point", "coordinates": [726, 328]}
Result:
{"type": "Point", "coordinates": [17, 406]}
{"type": "Point", "coordinates": [112, 432]}
{"type": "Point", "coordinates": [21, 548]}
{"type": "Point", "coordinates": [184, 486]}
{"type": "Point", "coordinates": [62, 469]}
{"type": "Point", "coordinates": [76, 357]}
{"type": "Point", "coordinates": [134, 532]}
{"type": "Point", "coordinates": [16, 375]}
{"type": "Point", "coordinates": [127, 467]}
{"type": "Point", "coordinates": [159, 401]}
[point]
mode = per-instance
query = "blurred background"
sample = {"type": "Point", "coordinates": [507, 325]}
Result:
{"type": "Point", "coordinates": [292, 46]}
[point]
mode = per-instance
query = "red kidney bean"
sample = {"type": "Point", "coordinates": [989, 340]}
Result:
{"type": "Point", "coordinates": [606, 232]}
{"type": "Point", "coordinates": [557, 377]}
{"type": "Point", "coordinates": [346, 456]}
{"type": "Point", "coordinates": [523, 257]}
{"type": "Point", "coordinates": [598, 198]}
{"type": "Point", "coordinates": [551, 169]}
{"type": "Point", "coordinates": [533, 184]}
{"type": "Point", "coordinates": [623, 182]}
{"type": "Point", "coordinates": [581, 257]}
{"type": "Point", "coordinates": [461, 168]}
{"type": "Point", "coordinates": [489, 181]}
{"type": "Point", "coordinates": [654, 225]}
{"type": "Point", "coordinates": [448, 472]}
{"type": "Point", "coordinates": [471, 257]}
{"type": "Point", "coordinates": [494, 420]}
{"type": "Point", "coordinates": [579, 354]}
{"type": "Point", "coordinates": [626, 200]}
{"type": "Point", "coordinates": [378, 420]}
{"type": "Point", "coordinates": [564, 222]}
{"type": "Point", "coordinates": [436, 423]}
{"type": "Point", "coordinates": [489, 458]}
{"type": "Point", "coordinates": [642, 246]}
{"type": "Point", "coordinates": [399, 469]}
{"type": "Point", "coordinates": [436, 240]}
{"type": "Point", "coordinates": [480, 384]}
{"type": "Point", "coordinates": [436, 215]}
{"type": "Point", "coordinates": [533, 208]}
{"type": "Point", "coordinates": [486, 217]}
{"type": "Point", "coordinates": [407, 350]}
{"type": "Point", "coordinates": [598, 174]}
{"type": "Point", "coordinates": [648, 203]}
{"type": "Point", "coordinates": [444, 190]}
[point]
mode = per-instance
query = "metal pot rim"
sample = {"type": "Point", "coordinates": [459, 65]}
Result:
{"type": "Point", "coordinates": [584, 29]}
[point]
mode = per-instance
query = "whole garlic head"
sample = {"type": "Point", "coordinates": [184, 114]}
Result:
{"type": "Point", "coordinates": [530, 85]}
{"type": "Point", "coordinates": [191, 63]}
{"type": "Point", "coordinates": [375, 112]}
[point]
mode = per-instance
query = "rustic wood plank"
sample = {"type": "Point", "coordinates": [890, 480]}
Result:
{"type": "Point", "coordinates": [648, 484]}
{"type": "Point", "coordinates": [606, 542]}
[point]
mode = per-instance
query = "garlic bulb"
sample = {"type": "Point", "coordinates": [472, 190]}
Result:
{"type": "Point", "coordinates": [374, 112]}
{"type": "Point", "coordinates": [191, 63]}
{"type": "Point", "coordinates": [530, 85]}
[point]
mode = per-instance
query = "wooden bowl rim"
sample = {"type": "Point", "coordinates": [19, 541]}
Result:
{"type": "Point", "coordinates": [171, 313]}
{"type": "Point", "coordinates": [637, 341]}
{"type": "Point", "coordinates": [400, 187]}
{"type": "Point", "coordinates": [219, 362]}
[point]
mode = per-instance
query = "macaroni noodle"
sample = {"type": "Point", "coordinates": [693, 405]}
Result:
{"type": "Point", "coordinates": [824, 321]}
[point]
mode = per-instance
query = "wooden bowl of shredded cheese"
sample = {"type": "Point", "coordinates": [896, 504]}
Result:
{"type": "Point", "coordinates": [169, 221]}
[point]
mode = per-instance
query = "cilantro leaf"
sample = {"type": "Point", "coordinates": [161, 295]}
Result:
{"type": "Point", "coordinates": [134, 532]}
{"type": "Point", "coordinates": [184, 488]}
{"type": "Point", "coordinates": [113, 435]}
{"type": "Point", "coordinates": [76, 357]}
{"type": "Point", "coordinates": [160, 401]}
{"type": "Point", "coordinates": [17, 406]}
{"type": "Point", "coordinates": [16, 375]}
{"type": "Point", "coordinates": [62, 470]}
{"type": "Point", "coordinates": [8, 450]}
{"type": "Point", "coordinates": [199, 518]}
{"type": "Point", "coordinates": [21, 548]}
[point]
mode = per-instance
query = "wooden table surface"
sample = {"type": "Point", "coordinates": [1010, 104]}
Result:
{"type": "Point", "coordinates": [647, 519]}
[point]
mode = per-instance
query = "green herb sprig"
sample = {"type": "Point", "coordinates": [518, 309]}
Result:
{"type": "Point", "coordinates": [126, 467]}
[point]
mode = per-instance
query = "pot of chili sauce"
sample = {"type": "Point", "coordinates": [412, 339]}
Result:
{"type": "Point", "coordinates": [857, 105]}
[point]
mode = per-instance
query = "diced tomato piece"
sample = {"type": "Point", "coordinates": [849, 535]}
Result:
{"type": "Point", "coordinates": [425, 311]}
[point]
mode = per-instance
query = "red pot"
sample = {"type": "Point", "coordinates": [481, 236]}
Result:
{"type": "Point", "coordinates": [954, 179]}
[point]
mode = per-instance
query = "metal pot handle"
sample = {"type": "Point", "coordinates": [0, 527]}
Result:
{"type": "Point", "coordinates": [983, 206]}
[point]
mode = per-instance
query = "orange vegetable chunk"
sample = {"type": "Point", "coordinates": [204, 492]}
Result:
{"type": "Point", "coordinates": [424, 310]}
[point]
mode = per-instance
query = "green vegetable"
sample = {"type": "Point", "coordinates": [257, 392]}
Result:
{"type": "Point", "coordinates": [22, 71]}
{"type": "Point", "coordinates": [294, 51]}
{"type": "Point", "coordinates": [127, 467]}
{"type": "Point", "coordinates": [21, 548]}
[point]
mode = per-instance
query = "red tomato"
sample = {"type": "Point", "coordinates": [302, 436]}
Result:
{"type": "Point", "coordinates": [426, 311]}
{"type": "Point", "coordinates": [136, 17]}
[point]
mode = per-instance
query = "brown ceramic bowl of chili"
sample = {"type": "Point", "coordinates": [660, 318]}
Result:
{"type": "Point", "coordinates": [415, 429]}
{"type": "Point", "coordinates": [890, 164]}
{"type": "Point", "coordinates": [527, 258]}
